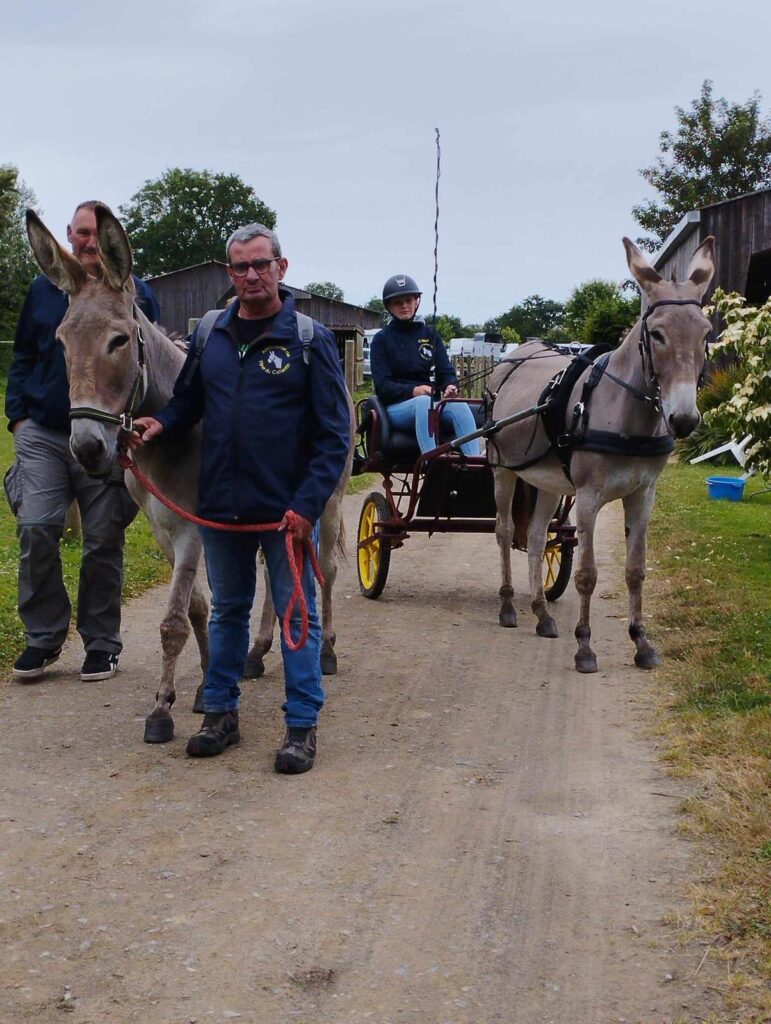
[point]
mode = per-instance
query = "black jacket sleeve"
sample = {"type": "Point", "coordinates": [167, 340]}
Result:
{"type": "Point", "coordinates": [445, 374]}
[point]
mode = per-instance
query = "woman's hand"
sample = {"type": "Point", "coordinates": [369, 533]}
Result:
{"type": "Point", "coordinates": [451, 391]}
{"type": "Point", "coordinates": [421, 389]}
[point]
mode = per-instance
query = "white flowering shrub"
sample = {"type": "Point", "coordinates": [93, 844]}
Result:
{"type": "Point", "coordinates": [748, 411]}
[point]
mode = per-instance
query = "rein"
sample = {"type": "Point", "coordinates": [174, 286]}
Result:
{"type": "Point", "coordinates": [294, 550]}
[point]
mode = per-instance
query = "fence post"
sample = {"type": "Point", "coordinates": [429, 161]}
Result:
{"type": "Point", "coordinates": [349, 363]}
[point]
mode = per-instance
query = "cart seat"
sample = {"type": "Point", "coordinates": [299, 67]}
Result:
{"type": "Point", "coordinates": [385, 445]}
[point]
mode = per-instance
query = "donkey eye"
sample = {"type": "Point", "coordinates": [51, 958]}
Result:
{"type": "Point", "coordinates": [658, 336]}
{"type": "Point", "coordinates": [117, 341]}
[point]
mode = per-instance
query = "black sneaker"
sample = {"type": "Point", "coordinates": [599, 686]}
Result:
{"type": "Point", "coordinates": [31, 663]}
{"type": "Point", "coordinates": [219, 730]}
{"type": "Point", "coordinates": [98, 665]}
{"type": "Point", "coordinates": [298, 752]}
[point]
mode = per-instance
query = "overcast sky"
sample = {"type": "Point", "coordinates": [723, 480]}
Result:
{"type": "Point", "coordinates": [547, 111]}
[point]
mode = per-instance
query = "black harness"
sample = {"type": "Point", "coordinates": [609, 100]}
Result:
{"type": "Point", "coordinates": [578, 436]}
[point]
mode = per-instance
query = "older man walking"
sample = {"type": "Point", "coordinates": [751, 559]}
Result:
{"type": "Point", "coordinates": [275, 439]}
{"type": "Point", "coordinates": [45, 479]}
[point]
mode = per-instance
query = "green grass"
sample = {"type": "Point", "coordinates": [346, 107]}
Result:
{"type": "Point", "coordinates": [710, 565]}
{"type": "Point", "coordinates": [145, 566]}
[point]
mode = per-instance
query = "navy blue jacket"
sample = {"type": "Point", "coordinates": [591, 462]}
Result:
{"type": "Point", "coordinates": [401, 357]}
{"type": "Point", "coordinates": [37, 380]}
{"type": "Point", "coordinates": [276, 431]}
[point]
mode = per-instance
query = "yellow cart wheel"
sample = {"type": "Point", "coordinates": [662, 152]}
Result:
{"type": "Point", "coordinates": [557, 567]}
{"type": "Point", "coordinates": [373, 558]}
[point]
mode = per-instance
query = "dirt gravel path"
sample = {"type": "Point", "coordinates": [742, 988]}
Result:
{"type": "Point", "coordinates": [487, 836]}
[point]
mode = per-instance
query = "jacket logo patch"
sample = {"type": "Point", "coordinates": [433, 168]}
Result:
{"type": "Point", "coordinates": [275, 360]}
{"type": "Point", "coordinates": [426, 351]}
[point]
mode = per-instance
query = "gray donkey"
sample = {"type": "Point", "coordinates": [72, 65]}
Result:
{"type": "Point", "coordinates": [612, 442]}
{"type": "Point", "coordinates": [117, 362]}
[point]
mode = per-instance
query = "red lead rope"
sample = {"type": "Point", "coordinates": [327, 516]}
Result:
{"type": "Point", "coordinates": [294, 551]}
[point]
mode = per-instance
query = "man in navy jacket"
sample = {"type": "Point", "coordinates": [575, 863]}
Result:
{"type": "Point", "coordinates": [45, 479]}
{"type": "Point", "coordinates": [275, 439]}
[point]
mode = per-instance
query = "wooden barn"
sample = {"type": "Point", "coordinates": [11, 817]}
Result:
{"type": "Point", "coordinates": [187, 293]}
{"type": "Point", "coordinates": [742, 230]}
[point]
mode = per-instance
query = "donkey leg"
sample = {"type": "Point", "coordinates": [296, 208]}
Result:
{"type": "Point", "coordinates": [198, 614]}
{"type": "Point", "coordinates": [331, 540]}
{"type": "Point", "coordinates": [505, 482]}
{"type": "Point", "coordinates": [175, 629]}
{"type": "Point", "coordinates": [637, 512]}
{"type": "Point", "coordinates": [545, 506]}
{"type": "Point", "coordinates": [255, 664]}
{"type": "Point", "coordinates": [587, 507]}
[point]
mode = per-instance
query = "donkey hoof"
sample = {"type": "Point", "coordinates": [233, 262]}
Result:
{"type": "Point", "coordinates": [547, 628]}
{"type": "Point", "coordinates": [255, 667]}
{"type": "Point", "coordinates": [328, 663]}
{"type": "Point", "coordinates": [159, 727]}
{"type": "Point", "coordinates": [198, 708]}
{"type": "Point", "coordinates": [507, 618]}
{"type": "Point", "coordinates": [586, 663]}
{"type": "Point", "coordinates": [647, 659]}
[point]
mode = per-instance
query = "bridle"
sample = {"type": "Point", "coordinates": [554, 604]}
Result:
{"type": "Point", "coordinates": [646, 355]}
{"type": "Point", "coordinates": [138, 390]}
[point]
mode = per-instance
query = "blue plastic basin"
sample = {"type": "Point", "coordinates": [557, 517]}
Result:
{"type": "Point", "coordinates": [725, 488]}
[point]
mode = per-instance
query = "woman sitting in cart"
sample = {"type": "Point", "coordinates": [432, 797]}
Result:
{"type": "Point", "coordinates": [402, 358]}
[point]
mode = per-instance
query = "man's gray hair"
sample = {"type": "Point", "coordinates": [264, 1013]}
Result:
{"type": "Point", "coordinates": [250, 231]}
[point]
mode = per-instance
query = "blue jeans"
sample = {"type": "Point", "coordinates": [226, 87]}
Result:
{"type": "Point", "coordinates": [413, 415]}
{"type": "Point", "coordinates": [231, 566]}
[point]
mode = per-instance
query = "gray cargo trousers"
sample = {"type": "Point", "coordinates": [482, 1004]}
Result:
{"type": "Point", "coordinates": [41, 485]}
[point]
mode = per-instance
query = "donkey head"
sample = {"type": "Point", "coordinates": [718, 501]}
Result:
{"type": "Point", "coordinates": [675, 347]}
{"type": "Point", "coordinates": [99, 333]}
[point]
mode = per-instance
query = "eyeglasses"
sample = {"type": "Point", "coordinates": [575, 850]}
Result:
{"type": "Point", "coordinates": [241, 269]}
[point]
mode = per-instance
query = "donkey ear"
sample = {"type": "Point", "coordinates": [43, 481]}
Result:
{"type": "Point", "coordinates": [114, 248]}
{"type": "Point", "coordinates": [702, 266]}
{"type": "Point", "coordinates": [641, 269]}
{"type": "Point", "coordinates": [57, 264]}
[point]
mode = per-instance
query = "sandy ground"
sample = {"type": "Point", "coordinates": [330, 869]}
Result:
{"type": "Point", "coordinates": [486, 837]}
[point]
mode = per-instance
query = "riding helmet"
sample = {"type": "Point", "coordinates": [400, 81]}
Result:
{"type": "Point", "coordinates": [399, 284]}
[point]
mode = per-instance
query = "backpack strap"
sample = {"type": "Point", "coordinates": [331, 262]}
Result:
{"type": "Point", "coordinates": [202, 332]}
{"type": "Point", "coordinates": [305, 330]}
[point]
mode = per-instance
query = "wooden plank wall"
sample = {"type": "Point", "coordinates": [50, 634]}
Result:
{"type": "Point", "coordinates": [190, 294]}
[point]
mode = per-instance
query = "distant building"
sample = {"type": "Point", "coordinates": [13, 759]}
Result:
{"type": "Point", "coordinates": [742, 230]}
{"type": "Point", "coordinates": [189, 292]}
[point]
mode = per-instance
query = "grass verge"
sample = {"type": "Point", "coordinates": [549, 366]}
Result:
{"type": "Point", "coordinates": [144, 564]}
{"type": "Point", "coordinates": [712, 566]}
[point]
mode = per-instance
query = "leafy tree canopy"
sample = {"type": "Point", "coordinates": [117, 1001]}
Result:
{"type": "Point", "coordinates": [582, 299]}
{"type": "Point", "coordinates": [609, 319]}
{"type": "Point", "coordinates": [449, 327]}
{"type": "Point", "coordinates": [185, 217]}
{"type": "Point", "coordinates": [327, 289]}
{"type": "Point", "coordinates": [17, 264]}
{"type": "Point", "coordinates": [719, 150]}
{"type": "Point", "coordinates": [534, 317]}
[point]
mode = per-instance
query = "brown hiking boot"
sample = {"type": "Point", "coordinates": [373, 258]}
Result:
{"type": "Point", "coordinates": [298, 751]}
{"type": "Point", "coordinates": [218, 730]}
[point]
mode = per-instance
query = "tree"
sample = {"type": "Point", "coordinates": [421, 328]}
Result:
{"type": "Point", "coordinates": [719, 150]}
{"type": "Point", "coordinates": [449, 327]}
{"type": "Point", "coordinates": [185, 217]}
{"type": "Point", "coordinates": [582, 300]}
{"type": "Point", "coordinates": [609, 320]}
{"type": "Point", "coordinates": [327, 289]}
{"type": "Point", "coordinates": [17, 265]}
{"type": "Point", "coordinates": [534, 317]}
{"type": "Point", "coordinates": [510, 336]}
